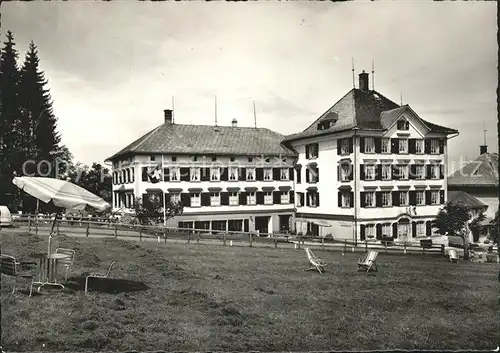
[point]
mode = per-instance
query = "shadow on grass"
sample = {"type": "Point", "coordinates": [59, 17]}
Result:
{"type": "Point", "coordinates": [105, 285]}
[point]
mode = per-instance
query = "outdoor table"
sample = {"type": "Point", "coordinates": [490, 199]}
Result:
{"type": "Point", "coordinates": [48, 268]}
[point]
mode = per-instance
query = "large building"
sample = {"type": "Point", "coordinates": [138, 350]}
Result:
{"type": "Point", "coordinates": [369, 168]}
{"type": "Point", "coordinates": [227, 177]}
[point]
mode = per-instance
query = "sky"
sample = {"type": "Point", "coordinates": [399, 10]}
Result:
{"type": "Point", "coordinates": [113, 67]}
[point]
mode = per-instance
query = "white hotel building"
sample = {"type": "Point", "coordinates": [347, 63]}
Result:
{"type": "Point", "coordinates": [365, 169]}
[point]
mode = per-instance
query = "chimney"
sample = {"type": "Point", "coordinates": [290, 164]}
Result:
{"type": "Point", "coordinates": [234, 123]}
{"type": "Point", "coordinates": [363, 81]}
{"type": "Point", "coordinates": [483, 149]}
{"type": "Point", "coordinates": [168, 116]}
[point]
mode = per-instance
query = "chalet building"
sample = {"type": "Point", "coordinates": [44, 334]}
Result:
{"type": "Point", "coordinates": [369, 168]}
{"type": "Point", "coordinates": [479, 178]}
{"type": "Point", "coordinates": [227, 177]}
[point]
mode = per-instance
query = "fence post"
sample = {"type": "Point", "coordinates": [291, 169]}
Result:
{"type": "Point", "coordinates": [165, 234]}
{"type": "Point", "coordinates": [36, 226]}
{"type": "Point", "coordinates": [224, 238]}
{"type": "Point", "coordinates": [199, 235]}
{"type": "Point", "coordinates": [276, 243]}
{"type": "Point", "coordinates": [385, 246]}
{"type": "Point", "coordinates": [250, 238]}
{"type": "Point", "coordinates": [116, 231]}
{"type": "Point", "coordinates": [57, 228]}
{"type": "Point", "coordinates": [189, 237]}
{"type": "Point", "coordinates": [322, 242]}
{"type": "Point", "coordinates": [87, 231]}
{"type": "Point", "coordinates": [404, 244]}
{"type": "Point", "coordinates": [140, 233]}
{"type": "Point", "coordinates": [423, 249]}
{"type": "Point", "coordinates": [300, 239]}
{"type": "Point", "coordinates": [442, 249]}
{"type": "Point", "coordinates": [29, 224]}
{"type": "Point", "coordinates": [345, 246]}
{"type": "Point", "coordinates": [366, 245]}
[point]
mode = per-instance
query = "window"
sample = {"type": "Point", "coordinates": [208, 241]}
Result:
{"type": "Point", "coordinates": [369, 172]}
{"type": "Point", "coordinates": [195, 174]}
{"type": "Point", "coordinates": [313, 199]}
{"type": "Point", "coordinates": [251, 200]}
{"type": "Point", "coordinates": [346, 199]}
{"type": "Point", "coordinates": [403, 171]}
{"type": "Point", "coordinates": [250, 159]}
{"type": "Point", "coordinates": [369, 145]}
{"type": "Point", "coordinates": [344, 171]}
{"type": "Point", "coordinates": [420, 196]}
{"type": "Point", "coordinates": [233, 173]}
{"type": "Point", "coordinates": [370, 199]}
{"type": "Point", "coordinates": [284, 197]}
{"type": "Point", "coordinates": [152, 158]}
{"type": "Point", "coordinates": [419, 146]}
{"type": "Point", "coordinates": [386, 198]}
{"type": "Point", "coordinates": [420, 229]}
{"type": "Point", "coordinates": [386, 230]}
{"type": "Point", "coordinates": [174, 159]}
{"type": "Point", "coordinates": [435, 197]}
{"type": "Point", "coordinates": [175, 198]}
{"type": "Point", "coordinates": [299, 199]}
{"type": "Point", "coordinates": [434, 147]}
{"type": "Point", "coordinates": [403, 145]}
{"type": "Point", "coordinates": [233, 199]}
{"type": "Point", "coordinates": [386, 171]}
{"type": "Point", "coordinates": [313, 174]}
{"type": "Point", "coordinates": [120, 177]}
{"type": "Point", "coordinates": [195, 199]}
{"type": "Point", "coordinates": [370, 231]}
{"type": "Point", "coordinates": [215, 174]}
{"type": "Point", "coordinates": [344, 146]}
{"type": "Point", "coordinates": [215, 199]}
{"type": "Point", "coordinates": [268, 174]}
{"type": "Point", "coordinates": [250, 173]}
{"type": "Point", "coordinates": [403, 124]}
{"type": "Point", "coordinates": [174, 174]}
{"type": "Point", "coordinates": [284, 174]}
{"type": "Point", "coordinates": [386, 145]}
{"type": "Point", "coordinates": [312, 151]}
{"type": "Point", "coordinates": [435, 171]}
{"type": "Point", "coordinates": [403, 230]}
{"type": "Point", "coordinates": [403, 198]}
{"type": "Point", "coordinates": [268, 198]}
{"type": "Point", "coordinates": [419, 171]}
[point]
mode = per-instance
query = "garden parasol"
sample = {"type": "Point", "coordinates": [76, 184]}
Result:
{"type": "Point", "coordinates": [60, 193]}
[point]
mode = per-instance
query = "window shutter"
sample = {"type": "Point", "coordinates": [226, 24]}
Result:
{"type": "Point", "coordinates": [428, 171]}
{"type": "Point", "coordinates": [362, 144]}
{"type": "Point", "coordinates": [361, 172]}
{"type": "Point", "coordinates": [339, 144]}
{"type": "Point", "coordinates": [276, 197]}
{"type": "Point", "coordinates": [317, 199]}
{"type": "Point", "coordinates": [246, 225]}
{"type": "Point", "coordinates": [427, 146]}
{"type": "Point", "coordinates": [291, 173]}
{"type": "Point", "coordinates": [145, 201]}
{"type": "Point", "coordinates": [145, 174]}
{"type": "Point", "coordinates": [316, 146]}
{"type": "Point", "coordinates": [412, 148]}
{"type": "Point", "coordinates": [184, 174]}
{"type": "Point", "coordinates": [307, 199]}
{"type": "Point", "coordinates": [302, 198]}
{"type": "Point", "coordinates": [428, 228]}
{"type": "Point", "coordinates": [292, 197]}
{"type": "Point", "coordinates": [186, 199]}
{"type": "Point", "coordinates": [412, 198]}
{"type": "Point", "coordinates": [259, 198]}
{"type": "Point", "coordinates": [224, 174]}
{"type": "Point", "coordinates": [307, 175]}
{"type": "Point", "coordinates": [441, 146]}
{"type": "Point", "coordinates": [414, 229]}
{"type": "Point", "coordinates": [205, 199]}
{"type": "Point", "coordinates": [276, 173]}
{"type": "Point", "coordinates": [166, 174]}
{"type": "Point", "coordinates": [362, 232]}
{"type": "Point", "coordinates": [378, 199]}
{"type": "Point", "coordinates": [243, 198]}
{"type": "Point", "coordinates": [351, 146]}
{"type": "Point", "coordinates": [378, 172]}
{"type": "Point", "coordinates": [441, 197]}
{"type": "Point", "coordinates": [395, 146]}
{"type": "Point", "coordinates": [259, 174]}
{"type": "Point", "coordinates": [317, 174]}
{"type": "Point", "coordinates": [352, 199]}
{"type": "Point", "coordinates": [427, 197]}
{"type": "Point", "coordinates": [224, 198]}
{"type": "Point", "coordinates": [395, 172]}
{"type": "Point", "coordinates": [307, 151]}
{"type": "Point", "coordinates": [413, 172]}
{"type": "Point", "coordinates": [394, 230]}
{"type": "Point", "coordinates": [340, 199]}
{"type": "Point", "coordinates": [350, 174]}
{"type": "Point", "coordinates": [362, 199]}
{"type": "Point", "coordinates": [242, 176]}
{"type": "Point", "coordinates": [338, 173]}
{"type": "Point", "coordinates": [395, 198]}
{"type": "Point", "coordinates": [378, 145]}
{"type": "Point", "coordinates": [441, 171]}
{"type": "Point", "coordinates": [167, 198]}
{"type": "Point", "coordinates": [379, 231]}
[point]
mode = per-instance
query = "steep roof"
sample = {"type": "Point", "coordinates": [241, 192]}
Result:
{"type": "Point", "coordinates": [207, 139]}
{"type": "Point", "coordinates": [466, 199]}
{"type": "Point", "coordinates": [483, 171]}
{"type": "Point", "coordinates": [363, 109]}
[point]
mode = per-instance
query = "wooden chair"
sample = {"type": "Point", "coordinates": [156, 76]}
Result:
{"type": "Point", "coordinates": [367, 263]}
{"type": "Point", "coordinates": [452, 253]}
{"type": "Point", "coordinates": [66, 262]}
{"type": "Point", "coordinates": [317, 263]}
{"type": "Point", "coordinates": [11, 267]}
{"type": "Point", "coordinates": [96, 275]}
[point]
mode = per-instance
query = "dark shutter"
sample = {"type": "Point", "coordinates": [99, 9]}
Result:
{"type": "Point", "coordinates": [361, 172]}
{"type": "Point", "coordinates": [242, 175]}
{"type": "Point", "coordinates": [307, 199]}
{"type": "Point", "coordinates": [412, 146]}
{"type": "Point", "coordinates": [351, 146]}
{"type": "Point", "coordinates": [378, 145]}
{"type": "Point", "coordinates": [317, 199]}
{"type": "Point", "coordinates": [395, 172]}
{"type": "Point", "coordinates": [307, 151]}
{"type": "Point", "coordinates": [276, 173]}
{"type": "Point", "coordinates": [167, 198]}
{"type": "Point", "coordinates": [427, 146]}
{"type": "Point", "coordinates": [378, 199]}
{"type": "Point", "coordinates": [352, 199]}
{"type": "Point", "coordinates": [276, 197]}
{"type": "Point", "coordinates": [290, 173]}
{"type": "Point", "coordinates": [427, 197]}
{"type": "Point", "coordinates": [292, 197]}
{"type": "Point", "coordinates": [441, 171]}
{"type": "Point", "coordinates": [362, 145]}
{"type": "Point", "coordinates": [205, 174]}
{"type": "Point", "coordinates": [378, 172]}
{"type": "Point", "coordinates": [299, 175]}
{"type": "Point", "coordinates": [145, 174]}
{"type": "Point", "coordinates": [205, 199]}
{"type": "Point", "coordinates": [379, 231]}
{"type": "Point", "coordinates": [414, 229]}
{"type": "Point", "coordinates": [307, 174]}
{"type": "Point", "coordinates": [412, 198]}
{"type": "Point", "coordinates": [186, 199]}
{"type": "Point", "coordinates": [350, 174]}
{"type": "Point", "coordinates": [394, 230]}
{"type": "Point", "coordinates": [302, 196]}
{"type": "Point", "coordinates": [395, 198]}
{"type": "Point", "coordinates": [317, 174]}
{"type": "Point", "coordinates": [145, 201]}
{"type": "Point", "coordinates": [184, 174]}
{"type": "Point", "coordinates": [243, 198]}
{"type": "Point", "coordinates": [340, 199]}
{"type": "Point", "coordinates": [224, 174]}
{"type": "Point", "coordinates": [259, 198]}
{"type": "Point", "coordinates": [246, 225]}
{"type": "Point", "coordinates": [224, 198]}
{"type": "Point", "coordinates": [428, 228]}
{"type": "Point", "coordinates": [428, 171]}
{"type": "Point", "coordinates": [259, 174]}
{"type": "Point", "coordinates": [362, 232]}
{"type": "Point", "coordinates": [338, 173]}
{"type": "Point", "coordinates": [166, 174]}
{"type": "Point", "coordinates": [441, 146]}
{"type": "Point", "coordinates": [441, 197]}
{"type": "Point", "coordinates": [395, 146]}
{"type": "Point", "coordinates": [362, 198]}
{"type": "Point", "coordinates": [339, 144]}
{"type": "Point", "coordinates": [413, 172]}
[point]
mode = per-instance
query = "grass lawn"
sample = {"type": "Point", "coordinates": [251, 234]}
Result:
{"type": "Point", "coordinates": [198, 297]}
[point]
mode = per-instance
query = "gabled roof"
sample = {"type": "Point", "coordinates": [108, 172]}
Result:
{"type": "Point", "coordinates": [466, 199]}
{"type": "Point", "coordinates": [207, 139]}
{"type": "Point", "coordinates": [368, 110]}
{"type": "Point", "coordinates": [483, 172]}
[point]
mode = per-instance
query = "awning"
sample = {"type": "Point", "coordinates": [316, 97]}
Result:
{"type": "Point", "coordinates": [154, 190]}
{"type": "Point", "coordinates": [312, 188]}
{"type": "Point", "coordinates": [214, 189]}
{"type": "Point", "coordinates": [233, 188]}
{"type": "Point", "coordinates": [124, 189]}
{"type": "Point", "coordinates": [387, 187]}
{"type": "Point", "coordinates": [435, 186]}
{"type": "Point", "coordinates": [284, 188]}
{"type": "Point", "coordinates": [195, 189]}
{"type": "Point", "coordinates": [345, 159]}
{"type": "Point", "coordinates": [267, 188]}
{"type": "Point", "coordinates": [369, 187]}
{"type": "Point", "coordinates": [417, 186]}
{"type": "Point", "coordinates": [312, 163]}
{"type": "Point", "coordinates": [322, 223]}
{"type": "Point", "coordinates": [345, 187]}
{"type": "Point", "coordinates": [174, 189]}
{"type": "Point", "coordinates": [250, 188]}
{"type": "Point", "coordinates": [403, 187]}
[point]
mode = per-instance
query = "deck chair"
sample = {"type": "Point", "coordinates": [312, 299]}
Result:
{"type": "Point", "coordinates": [367, 263]}
{"type": "Point", "coordinates": [452, 253]}
{"type": "Point", "coordinates": [317, 263]}
{"type": "Point", "coordinates": [97, 275]}
{"type": "Point", "coordinates": [66, 262]}
{"type": "Point", "coordinates": [11, 267]}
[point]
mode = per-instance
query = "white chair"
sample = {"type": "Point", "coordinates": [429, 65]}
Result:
{"type": "Point", "coordinates": [452, 253]}
{"type": "Point", "coordinates": [66, 262]}
{"type": "Point", "coordinates": [317, 263]}
{"type": "Point", "coordinates": [367, 263]}
{"type": "Point", "coordinates": [96, 275]}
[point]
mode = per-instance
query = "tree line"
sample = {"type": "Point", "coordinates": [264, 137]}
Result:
{"type": "Point", "coordinates": [30, 143]}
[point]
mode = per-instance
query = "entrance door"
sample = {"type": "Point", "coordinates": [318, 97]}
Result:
{"type": "Point", "coordinates": [284, 223]}
{"type": "Point", "coordinates": [404, 229]}
{"type": "Point", "coordinates": [262, 224]}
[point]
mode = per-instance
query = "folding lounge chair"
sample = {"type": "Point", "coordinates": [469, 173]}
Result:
{"type": "Point", "coordinates": [66, 262]}
{"type": "Point", "coordinates": [10, 267]}
{"type": "Point", "coordinates": [317, 263]}
{"type": "Point", "coordinates": [452, 253]}
{"type": "Point", "coordinates": [367, 263]}
{"type": "Point", "coordinates": [96, 275]}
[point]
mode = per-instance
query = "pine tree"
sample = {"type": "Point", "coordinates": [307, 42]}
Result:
{"type": "Point", "coordinates": [38, 120]}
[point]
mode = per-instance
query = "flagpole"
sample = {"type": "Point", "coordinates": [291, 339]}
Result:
{"type": "Point", "coordinates": [163, 196]}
